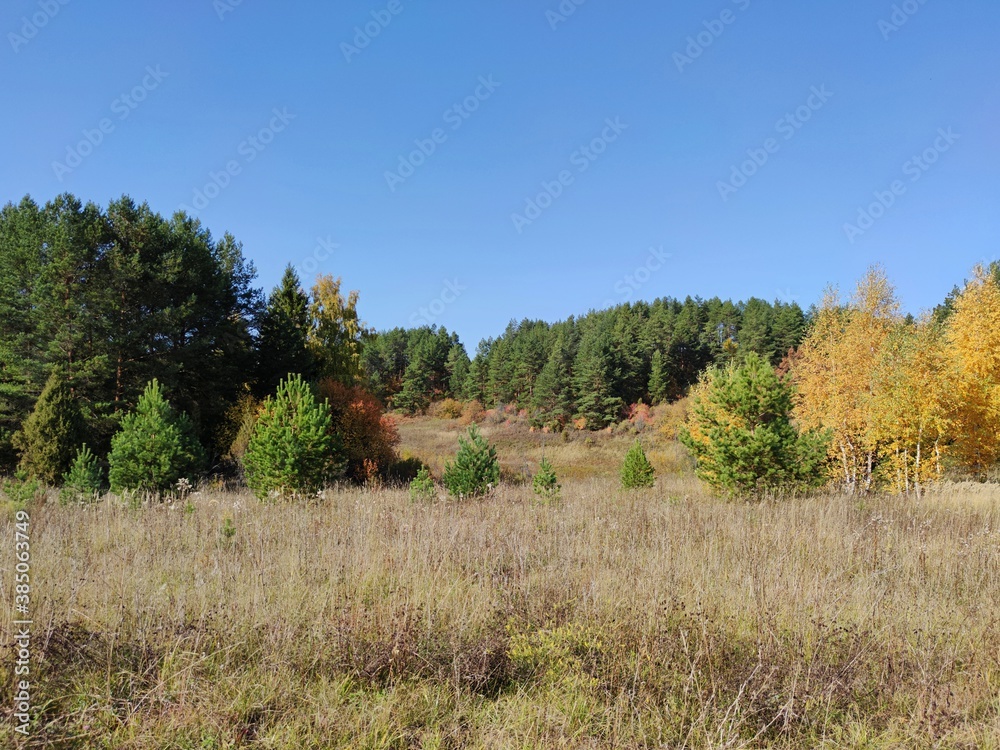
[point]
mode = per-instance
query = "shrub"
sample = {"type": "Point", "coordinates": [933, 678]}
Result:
{"type": "Point", "coordinates": [545, 483]}
{"type": "Point", "coordinates": [367, 435]}
{"type": "Point", "coordinates": [291, 450]}
{"type": "Point", "coordinates": [475, 470]}
{"type": "Point", "coordinates": [636, 470]}
{"type": "Point", "coordinates": [473, 412]}
{"type": "Point", "coordinates": [52, 433]}
{"type": "Point", "coordinates": [422, 487]}
{"type": "Point", "coordinates": [741, 435]}
{"type": "Point", "coordinates": [155, 447]}
{"type": "Point", "coordinates": [449, 408]}
{"type": "Point", "coordinates": [83, 480]}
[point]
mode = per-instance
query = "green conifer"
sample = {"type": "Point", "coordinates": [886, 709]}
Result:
{"type": "Point", "coordinates": [291, 451]}
{"type": "Point", "coordinates": [475, 470]}
{"type": "Point", "coordinates": [545, 483]}
{"type": "Point", "coordinates": [636, 471]}
{"type": "Point", "coordinates": [155, 446]}
{"type": "Point", "coordinates": [52, 433]}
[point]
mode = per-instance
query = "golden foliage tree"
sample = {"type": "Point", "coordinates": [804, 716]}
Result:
{"type": "Point", "coordinates": [973, 349]}
{"type": "Point", "coordinates": [337, 334]}
{"type": "Point", "coordinates": [835, 375]}
{"type": "Point", "coordinates": [910, 400]}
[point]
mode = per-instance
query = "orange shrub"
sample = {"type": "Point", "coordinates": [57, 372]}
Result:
{"type": "Point", "coordinates": [449, 408]}
{"type": "Point", "coordinates": [369, 437]}
{"type": "Point", "coordinates": [472, 412]}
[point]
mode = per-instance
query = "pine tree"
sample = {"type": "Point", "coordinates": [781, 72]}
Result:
{"type": "Point", "coordinates": [457, 367]}
{"type": "Point", "coordinates": [595, 378]}
{"type": "Point", "coordinates": [83, 480]}
{"type": "Point", "coordinates": [636, 471]}
{"type": "Point", "coordinates": [552, 399]}
{"type": "Point", "coordinates": [155, 447]}
{"type": "Point", "coordinates": [284, 329]}
{"type": "Point", "coordinates": [422, 486]}
{"type": "Point", "coordinates": [475, 470]}
{"type": "Point", "coordinates": [52, 433]}
{"type": "Point", "coordinates": [659, 385]}
{"type": "Point", "coordinates": [545, 484]}
{"type": "Point", "coordinates": [741, 435]}
{"type": "Point", "coordinates": [291, 451]}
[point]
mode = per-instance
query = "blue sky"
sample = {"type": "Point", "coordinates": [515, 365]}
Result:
{"type": "Point", "coordinates": [292, 127]}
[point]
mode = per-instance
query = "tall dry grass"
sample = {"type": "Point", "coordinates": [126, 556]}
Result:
{"type": "Point", "coordinates": [657, 619]}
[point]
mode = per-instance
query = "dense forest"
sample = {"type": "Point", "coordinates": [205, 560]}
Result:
{"type": "Point", "coordinates": [114, 297]}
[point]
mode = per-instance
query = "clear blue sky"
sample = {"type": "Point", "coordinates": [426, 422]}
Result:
{"type": "Point", "coordinates": [220, 70]}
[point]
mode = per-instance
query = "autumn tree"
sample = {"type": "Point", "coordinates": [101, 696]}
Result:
{"type": "Point", "coordinates": [835, 375]}
{"type": "Point", "coordinates": [973, 349]}
{"type": "Point", "coordinates": [911, 392]}
{"type": "Point", "coordinates": [337, 334]}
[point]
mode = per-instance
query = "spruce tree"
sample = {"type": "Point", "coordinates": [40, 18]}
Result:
{"type": "Point", "coordinates": [52, 433]}
{"type": "Point", "coordinates": [284, 330]}
{"type": "Point", "coordinates": [155, 447]}
{"type": "Point", "coordinates": [291, 451]}
{"type": "Point", "coordinates": [475, 470]}
{"type": "Point", "coordinates": [741, 434]}
{"type": "Point", "coordinates": [659, 385]}
{"type": "Point", "coordinates": [636, 471]}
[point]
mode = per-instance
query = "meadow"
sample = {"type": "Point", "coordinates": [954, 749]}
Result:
{"type": "Point", "coordinates": [662, 618]}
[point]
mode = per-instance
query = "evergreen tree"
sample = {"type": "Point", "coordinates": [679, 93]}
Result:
{"type": "Point", "coordinates": [155, 447]}
{"type": "Point", "coordinates": [552, 400]}
{"type": "Point", "coordinates": [636, 471]}
{"type": "Point", "coordinates": [545, 484]}
{"type": "Point", "coordinates": [659, 385]}
{"type": "Point", "coordinates": [594, 379]}
{"type": "Point", "coordinates": [741, 435]}
{"type": "Point", "coordinates": [291, 451]}
{"type": "Point", "coordinates": [284, 329]}
{"type": "Point", "coordinates": [458, 371]}
{"type": "Point", "coordinates": [53, 432]}
{"type": "Point", "coordinates": [475, 470]}
{"type": "Point", "coordinates": [83, 480]}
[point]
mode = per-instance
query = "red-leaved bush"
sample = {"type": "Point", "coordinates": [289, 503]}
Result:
{"type": "Point", "coordinates": [368, 435]}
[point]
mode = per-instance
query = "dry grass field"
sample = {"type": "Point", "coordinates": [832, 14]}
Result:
{"type": "Point", "coordinates": [659, 619]}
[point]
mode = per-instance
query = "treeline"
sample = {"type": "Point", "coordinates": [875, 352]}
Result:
{"type": "Point", "coordinates": [110, 299]}
{"type": "Point", "coordinates": [587, 369]}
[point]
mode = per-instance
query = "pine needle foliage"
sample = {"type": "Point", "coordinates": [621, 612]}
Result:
{"type": "Point", "coordinates": [291, 451]}
{"type": "Point", "coordinates": [475, 470]}
{"type": "Point", "coordinates": [636, 471]}
{"type": "Point", "coordinates": [155, 447]}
